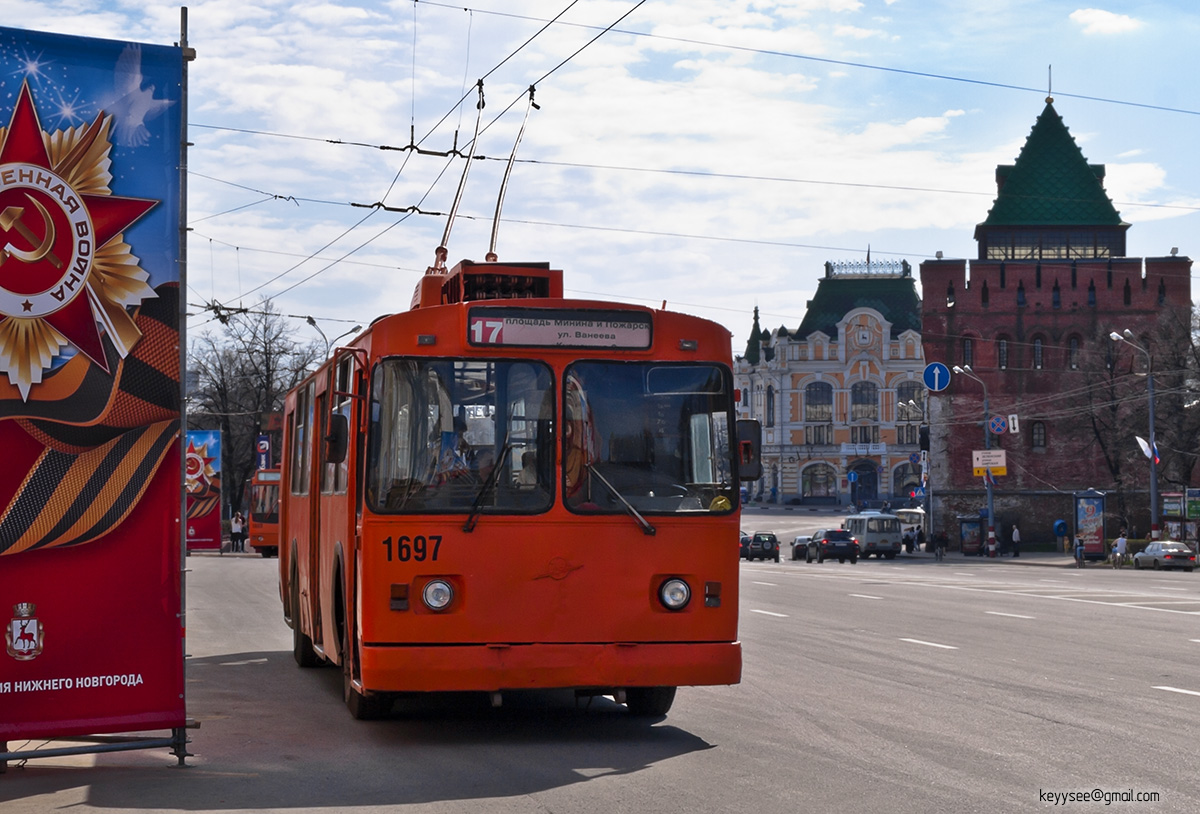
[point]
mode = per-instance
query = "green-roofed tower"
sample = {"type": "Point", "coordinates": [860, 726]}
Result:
{"type": "Point", "coordinates": [1051, 203]}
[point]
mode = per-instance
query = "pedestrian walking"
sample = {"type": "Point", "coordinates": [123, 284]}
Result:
{"type": "Point", "coordinates": [1016, 541]}
{"type": "Point", "coordinates": [1078, 552]}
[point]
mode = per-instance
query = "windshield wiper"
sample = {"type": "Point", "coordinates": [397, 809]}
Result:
{"type": "Point", "coordinates": [484, 491]}
{"type": "Point", "coordinates": [643, 522]}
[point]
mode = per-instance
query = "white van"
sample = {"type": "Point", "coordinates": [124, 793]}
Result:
{"type": "Point", "coordinates": [877, 533]}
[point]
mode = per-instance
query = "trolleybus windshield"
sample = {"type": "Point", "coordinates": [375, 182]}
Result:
{"type": "Point", "coordinates": [439, 427]}
{"type": "Point", "coordinates": [653, 436]}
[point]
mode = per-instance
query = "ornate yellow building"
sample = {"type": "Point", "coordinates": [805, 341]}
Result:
{"type": "Point", "coordinates": [840, 397]}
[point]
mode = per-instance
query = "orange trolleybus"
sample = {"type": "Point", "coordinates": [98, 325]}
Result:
{"type": "Point", "coordinates": [502, 489]}
{"type": "Point", "coordinates": [263, 533]}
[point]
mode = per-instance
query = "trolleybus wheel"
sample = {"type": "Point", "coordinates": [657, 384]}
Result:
{"type": "Point", "coordinates": [302, 647]}
{"type": "Point", "coordinates": [362, 707]}
{"type": "Point", "coordinates": [649, 701]}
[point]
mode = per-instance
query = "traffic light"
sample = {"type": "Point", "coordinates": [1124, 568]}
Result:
{"type": "Point", "coordinates": [923, 436]}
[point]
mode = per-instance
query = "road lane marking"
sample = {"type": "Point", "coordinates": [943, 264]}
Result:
{"type": "Point", "coordinates": [935, 644]}
{"type": "Point", "coordinates": [1013, 615]}
{"type": "Point", "coordinates": [769, 613]}
{"type": "Point", "coordinates": [1194, 640]}
{"type": "Point", "coordinates": [866, 596]}
{"type": "Point", "coordinates": [771, 584]}
{"type": "Point", "coordinates": [1176, 689]}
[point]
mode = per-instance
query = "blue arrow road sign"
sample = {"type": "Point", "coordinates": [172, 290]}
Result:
{"type": "Point", "coordinates": [936, 376]}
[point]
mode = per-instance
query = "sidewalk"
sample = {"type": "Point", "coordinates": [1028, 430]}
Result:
{"type": "Point", "coordinates": [1044, 558]}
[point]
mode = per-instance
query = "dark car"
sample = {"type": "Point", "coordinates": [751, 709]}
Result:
{"type": "Point", "coordinates": [830, 543]}
{"type": "Point", "coordinates": [763, 545]}
{"type": "Point", "coordinates": [1165, 554]}
{"type": "Point", "coordinates": [743, 544]}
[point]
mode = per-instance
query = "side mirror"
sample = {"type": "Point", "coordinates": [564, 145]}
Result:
{"type": "Point", "coordinates": [749, 449]}
{"type": "Point", "coordinates": [337, 439]}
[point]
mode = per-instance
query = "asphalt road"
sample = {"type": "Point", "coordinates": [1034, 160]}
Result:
{"type": "Point", "coordinates": [905, 686]}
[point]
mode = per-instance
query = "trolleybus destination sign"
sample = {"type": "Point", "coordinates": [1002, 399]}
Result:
{"type": "Point", "coordinates": [558, 328]}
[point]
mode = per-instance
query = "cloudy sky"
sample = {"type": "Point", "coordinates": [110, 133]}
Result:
{"type": "Point", "coordinates": [710, 153]}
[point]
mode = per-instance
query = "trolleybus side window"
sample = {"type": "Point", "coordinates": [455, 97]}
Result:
{"type": "Point", "coordinates": [301, 438]}
{"type": "Point", "coordinates": [335, 475]}
{"type": "Point", "coordinates": [446, 433]}
{"type": "Point", "coordinates": [651, 436]}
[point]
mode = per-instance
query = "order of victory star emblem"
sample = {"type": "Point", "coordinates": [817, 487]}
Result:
{"type": "Point", "coordinates": [67, 277]}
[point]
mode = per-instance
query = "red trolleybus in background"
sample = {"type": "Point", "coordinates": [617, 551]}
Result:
{"type": "Point", "coordinates": [501, 489]}
{"type": "Point", "coordinates": [263, 529]}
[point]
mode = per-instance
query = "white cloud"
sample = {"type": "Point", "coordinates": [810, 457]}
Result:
{"type": "Point", "coordinates": [1098, 21]}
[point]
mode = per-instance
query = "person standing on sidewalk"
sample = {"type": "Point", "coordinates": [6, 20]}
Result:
{"type": "Point", "coordinates": [1016, 541]}
{"type": "Point", "coordinates": [237, 538]}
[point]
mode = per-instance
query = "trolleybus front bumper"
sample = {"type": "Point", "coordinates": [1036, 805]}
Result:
{"type": "Point", "coordinates": [494, 667]}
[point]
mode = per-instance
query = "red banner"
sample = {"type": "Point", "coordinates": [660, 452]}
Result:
{"type": "Point", "coordinates": [90, 515]}
{"type": "Point", "coordinates": [202, 477]}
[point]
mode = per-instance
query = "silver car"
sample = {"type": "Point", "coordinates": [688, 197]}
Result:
{"type": "Point", "coordinates": [1165, 554]}
{"type": "Point", "coordinates": [800, 546]}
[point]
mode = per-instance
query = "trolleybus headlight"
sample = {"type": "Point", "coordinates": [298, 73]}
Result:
{"type": "Point", "coordinates": [437, 595]}
{"type": "Point", "coordinates": [674, 594]}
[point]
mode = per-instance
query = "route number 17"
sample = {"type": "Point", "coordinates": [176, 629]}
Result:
{"type": "Point", "coordinates": [487, 331]}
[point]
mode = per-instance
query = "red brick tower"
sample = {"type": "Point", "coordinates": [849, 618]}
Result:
{"type": "Point", "coordinates": [1031, 317]}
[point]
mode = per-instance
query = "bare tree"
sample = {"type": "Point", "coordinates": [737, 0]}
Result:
{"type": "Point", "coordinates": [242, 372]}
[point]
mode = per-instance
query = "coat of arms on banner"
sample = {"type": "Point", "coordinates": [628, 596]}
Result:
{"type": "Point", "coordinates": [25, 635]}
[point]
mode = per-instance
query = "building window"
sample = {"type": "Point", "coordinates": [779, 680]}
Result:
{"type": "Point", "coordinates": [1092, 294]}
{"type": "Point", "coordinates": [1021, 294]}
{"type": "Point", "coordinates": [868, 434]}
{"type": "Point", "coordinates": [1128, 293]}
{"type": "Point", "coordinates": [1056, 296]}
{"type": "Point", "coordinates": [906, 392]}
{"type": "Point", "coordinates": [1037, 354]}
{"type": "Point", "coordinates": [1073, 353]}
{"type": "Point", "coordinates": [968, 351]}
{"type": "Point", "coordinates": [819, 434]}
{"type": "Point", "coordinates": [907, 434]}
{"type": "Point", "coordinates": [818, 402]}
{"type": "Point", "coordinates": [770, 405]}
{"type": "Point", "coordinates": [1038, 435]}
{"type": "Point", "coordinates": [864, 402]}
{"type": "Point", "coordinates": [1002, 353]}
{"type": "Point", "coordinates": [818, 480]}
{"type": "Point", "coordinates": [983, 295]}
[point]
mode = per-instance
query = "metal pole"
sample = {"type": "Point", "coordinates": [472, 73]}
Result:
{"type": "Point", "coordinates": [1153, 452]}
{"type": "Point", "coordinates": [1127, 338]}
{"type": "Point", "coordinates": [987, 444]}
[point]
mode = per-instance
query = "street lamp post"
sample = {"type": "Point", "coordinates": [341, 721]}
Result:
{"type": "Point", "coordinates": [313, 323]}
{"type": "Point", "coordinates": [987, 444]}
{"type": "Point", "coordinates": [1127, 338]}
{"type": "Point", "coordinates": [328, 344]}
{"type": "Point", "coordinates": [926, 467]}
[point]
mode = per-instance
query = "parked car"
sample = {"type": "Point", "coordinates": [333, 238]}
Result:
{"type": "Point", "coordinates": [1165, 554]}
{"type": "Point", "coordinates": [800, 546]}
{"type": "Point", "coordinates": [744, 545]}
{"type": "Point", "coordinates": [829, 543]}
{"type": "Point", "coordinates": [763, 545]}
